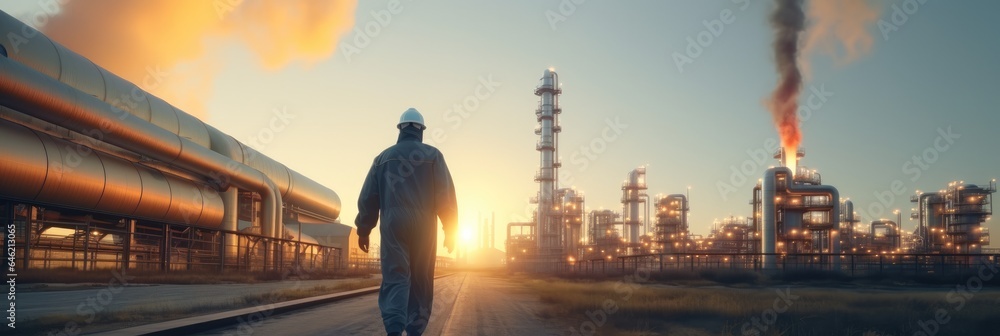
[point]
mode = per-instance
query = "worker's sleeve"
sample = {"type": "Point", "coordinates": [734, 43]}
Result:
{"type": "Point", "coordinates": [447, 204]}
{"type": "Point", "coordinates": [368, 202]}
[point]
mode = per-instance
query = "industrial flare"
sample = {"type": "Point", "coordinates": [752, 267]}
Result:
{"type": "Point", "coordinates": [788, 21]}
{"type": "Point", "coordinates": [846, 22]}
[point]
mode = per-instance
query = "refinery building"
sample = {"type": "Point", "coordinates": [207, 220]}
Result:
{"type": "Point", "coordinates": [794, 221]}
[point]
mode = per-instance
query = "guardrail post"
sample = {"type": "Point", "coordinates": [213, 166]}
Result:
{"type": "Point", "coordinates": [190, 244]}
{"type": "Point", "coordinates": [165, 251]}
{"type": "Point", "coordinates": [222, 251]}
{"type": "Point", "coordinates": [127, 243]}
{"type": "Point", "coordinates": [881, 263]}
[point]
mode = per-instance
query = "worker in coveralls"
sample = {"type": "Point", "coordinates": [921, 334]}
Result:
{"type": "Point", "coordinates": [410, 186]}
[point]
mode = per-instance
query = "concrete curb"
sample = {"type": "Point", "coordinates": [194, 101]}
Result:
{"type": "Point", "coordinates": [190, 325]}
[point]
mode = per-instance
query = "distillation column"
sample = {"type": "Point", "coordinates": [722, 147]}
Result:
{"type": "Point", "coordinates": [671, 230]}
{"type": "Point", "coordinates": [634, 193]}
{"type": "Point", "coordinates": [951, 220]}
{"type": "Point", "coordinates": [548, 229]}
{"type": "Point", "coordinates": [571, 217]}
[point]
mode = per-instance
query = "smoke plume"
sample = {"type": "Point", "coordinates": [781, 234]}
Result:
{"type": "Point", "coordinates": [788, 20]}
{"type": "Point", "coordinates": [171, 47]}
{"type": "Point", "coordinates": [847, 22]}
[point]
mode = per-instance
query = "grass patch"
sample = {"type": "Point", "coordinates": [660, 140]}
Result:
{"type": "Point", "coordinates": [154, 313]}
{"type": "Point", "coordinates": [709, 277]}
{"type": "Point", "coordinates": [654, 309]}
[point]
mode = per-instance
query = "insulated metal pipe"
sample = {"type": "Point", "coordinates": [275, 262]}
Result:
{"type": "Point", "coordinates": [849, 218]}
{"type": "Point", "coordinates": [36, 51]}
{"type": "Point", "coordinates": [45, 98]}
{"type": "Point", "coordinates": [769, 220]}
{"type": "Point", "coordinates": [41, 168]}
{"type": "Point", "coordinates": [924, 214]}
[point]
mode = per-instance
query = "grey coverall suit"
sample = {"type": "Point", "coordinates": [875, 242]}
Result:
{"type": "Point", "coordinates": [410, 186]}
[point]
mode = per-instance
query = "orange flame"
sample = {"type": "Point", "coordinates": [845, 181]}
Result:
{"type": "Point", "coordinates": [784, 106]}
{"type": "Point", "coordinates": [846, 22]}
{"type": "Point", "coordinates": [788, 21]}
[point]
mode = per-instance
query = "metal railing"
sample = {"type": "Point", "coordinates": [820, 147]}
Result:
{"type": "Point", "coordinates": [853, 265]}
{"type": "Point", "coordinates": [162, 247]}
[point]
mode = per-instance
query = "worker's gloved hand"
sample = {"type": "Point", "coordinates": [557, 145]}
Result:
{"type": "Point", "coordinates": [449, 243]}
{"type": "Point", "coordinates": [363, 243]}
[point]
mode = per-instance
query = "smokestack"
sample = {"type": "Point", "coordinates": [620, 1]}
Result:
{"type": "Point", "coordinates": [493, 229]}
{"type": "Point", "coordinates": [788, 21]}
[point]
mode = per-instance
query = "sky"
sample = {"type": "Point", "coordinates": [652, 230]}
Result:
{"type": "Point", "coordinates": [626, 102]}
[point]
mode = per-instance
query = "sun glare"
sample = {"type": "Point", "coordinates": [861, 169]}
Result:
{"type": "Point", "coordinates": [466, 238]}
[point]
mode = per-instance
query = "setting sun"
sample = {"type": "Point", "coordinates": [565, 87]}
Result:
{"type": "Point", "coordinates": [466, 238]}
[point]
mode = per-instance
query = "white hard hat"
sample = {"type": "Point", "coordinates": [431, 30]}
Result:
{"type": "Point", "coordinates": [411, 116]}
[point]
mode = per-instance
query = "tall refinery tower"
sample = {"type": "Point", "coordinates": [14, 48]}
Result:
{"type": "Point", "coordinates": [548, 230]}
